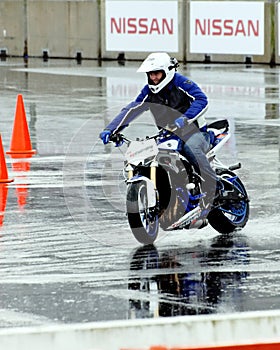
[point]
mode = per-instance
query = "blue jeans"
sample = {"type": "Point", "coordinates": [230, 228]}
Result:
{"type": "Point", "coordinates": [195, 149]}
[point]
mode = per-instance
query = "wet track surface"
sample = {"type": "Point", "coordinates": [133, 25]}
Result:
{"type": "Point", "coordinates": [66, 252]}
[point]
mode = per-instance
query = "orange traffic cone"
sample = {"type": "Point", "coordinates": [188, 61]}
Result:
{"type": "Point", "coordinates": [20, 142]}
{"type": "Point", "coordinates": [3, 165]}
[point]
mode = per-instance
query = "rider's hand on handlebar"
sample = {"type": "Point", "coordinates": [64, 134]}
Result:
{"type": "Point", "coordinates": [119, 142]}
{"type": "Point", "coordinates": [117, 139]}
{"type": "Point", "coordinates": [181, 122]}
{"type": "Point", "coordinates": [105, 136]}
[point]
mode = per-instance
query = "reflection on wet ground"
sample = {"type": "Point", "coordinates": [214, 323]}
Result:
{"type": "Point", "coordinates": [189, 282]}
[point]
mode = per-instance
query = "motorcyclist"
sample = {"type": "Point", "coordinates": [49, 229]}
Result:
{"type": "Point", "coordinates": [172, 99]}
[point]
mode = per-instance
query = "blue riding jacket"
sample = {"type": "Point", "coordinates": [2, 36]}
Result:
{"type": "Point", "coordinates": [181, 97]}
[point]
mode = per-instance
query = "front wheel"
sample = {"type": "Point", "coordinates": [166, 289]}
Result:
{"type": "Point", "coordinates": [143, 220]}
{"type": "Point", "coordinates": [232, 214]}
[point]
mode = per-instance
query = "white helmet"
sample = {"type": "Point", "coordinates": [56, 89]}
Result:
{"type": "Point", "coordinates": [159, 61]}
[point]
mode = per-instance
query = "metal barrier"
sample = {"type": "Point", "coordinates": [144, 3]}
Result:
{"type": "Point", "coordinates": [248, 330]}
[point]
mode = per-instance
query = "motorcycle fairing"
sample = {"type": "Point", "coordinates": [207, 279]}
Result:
{"type": "Point", "coordinates": [136, 153]}
{"type": "Point", "coordinates": [171, 143]}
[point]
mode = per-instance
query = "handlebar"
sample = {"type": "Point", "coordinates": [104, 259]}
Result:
{"type": "Point", "coordinates": [163, 132]}
{"type": "Point", "coordinates": [118, 138]}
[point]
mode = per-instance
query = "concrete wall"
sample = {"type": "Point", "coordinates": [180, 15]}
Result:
{"type": "Point", "coordinates": [65, 28]}
{"type": "Point", "coordinates": [277, 32]}
{"type": "Point", "coordinates": [60, 28]}
{"type": "Point", "coordinates": [12, 27]}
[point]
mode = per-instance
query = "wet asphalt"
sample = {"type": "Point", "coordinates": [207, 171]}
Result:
{"type": "Point", "coordinates": [66, 252]}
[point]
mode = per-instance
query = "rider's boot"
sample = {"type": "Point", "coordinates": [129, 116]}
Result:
{"type": "Point", "coordinates": [219, 188]}
{"type": "Point", "coordinates": [223, 186]}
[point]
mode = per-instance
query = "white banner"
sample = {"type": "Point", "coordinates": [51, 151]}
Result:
{"type": "Point", "coordinates": [230, 27]}
{"type": "Point", "coordinates": [141, 26]}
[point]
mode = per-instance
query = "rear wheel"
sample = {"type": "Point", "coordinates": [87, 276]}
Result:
{"type": "Point", "coordinates": [232, 214]}
{"type": "Point", "coordinates": [143, 220]}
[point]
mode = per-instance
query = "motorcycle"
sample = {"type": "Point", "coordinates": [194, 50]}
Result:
{"type": "Point", "coordinates": [164, 190]}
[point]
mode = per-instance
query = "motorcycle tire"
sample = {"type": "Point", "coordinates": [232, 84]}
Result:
{"type": "Point", "coordinates": [231, 216]}
{"type": "Point", "coordinates": [143, 221]}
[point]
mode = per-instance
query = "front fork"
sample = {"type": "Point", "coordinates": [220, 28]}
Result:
{"type": "Point", "coordinates": [129, 170]}
{"type": "Point", "coordinates": [153, 172]}
{"type": "Point", "coordinates": [153, 168]}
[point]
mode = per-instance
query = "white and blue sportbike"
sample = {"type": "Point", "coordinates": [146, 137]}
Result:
{"type": "Point", "coordinates": [164, 191]}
